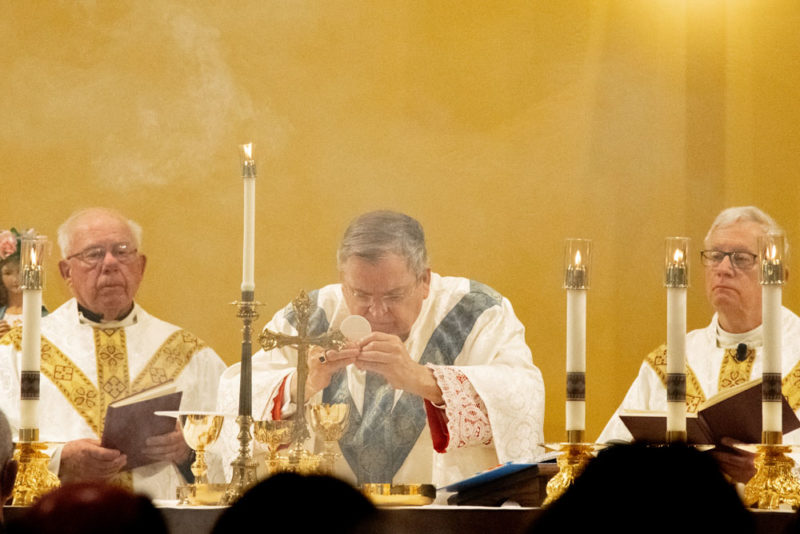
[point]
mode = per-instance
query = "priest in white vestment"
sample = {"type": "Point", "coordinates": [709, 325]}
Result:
{"type": "Point", "coordinates": [101, 346]}
{"type": "Point", "coordinates": [443, 387]}
{"type": "Point", "coordinates": [728, 352]}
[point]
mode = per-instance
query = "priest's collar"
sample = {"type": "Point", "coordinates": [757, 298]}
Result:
{"type": "Point", "coordinates": [727, 340]}
{"type": "Point", "coordinates": [87, 316]}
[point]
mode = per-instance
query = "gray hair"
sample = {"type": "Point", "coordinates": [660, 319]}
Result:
{"type": "Point", "coordinates": [6, 441]}
{"type": "Point", "coordinates": [736, 214]}
{"type": "Point", "coordinates": [65, 231]}
{"type": "Point", "coordinates": [377, 233]}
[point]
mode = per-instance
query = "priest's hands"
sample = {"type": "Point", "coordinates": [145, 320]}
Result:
{"type": "Point", "coordinates": [380, 353]}
{"type": "Point", "coordinates": [85, 459]}
{"type": "Point", "coordinates": [386, 355]}
{"type": "Point", "coordinates": [736, 463]}
{"type": "Point", "coordinates": [322, 365]}
{"type": "Point", "coordinates": [169, 447]}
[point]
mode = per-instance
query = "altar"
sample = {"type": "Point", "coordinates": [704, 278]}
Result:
{"type": "Point", "coordinates": [431, 518]}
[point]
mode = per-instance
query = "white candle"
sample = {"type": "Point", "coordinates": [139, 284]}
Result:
{"type": "Point", "coordinates": [771, 274]}
{"type": "Point", "coordinates": [576, 356]}
{"type": "Point", "coordinates": [771, 316]}
{"type": "Point", "coordinates": [31, 352]}
{"type": "Point", "coordinates": [676, 282]}
{"type": "Point", "coordinates": [248, 246]}
{"type": "Point", "coordinates": [676, 355]}
{"type": "Point", "coordinates": [32, 256]}
{"type": "Point", "coordinates": [576, 282]}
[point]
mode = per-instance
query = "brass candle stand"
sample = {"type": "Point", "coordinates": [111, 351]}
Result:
{"type": "Point", "coordinates": [34, 479]}
{"type": "Point", "coordinates": [775, 484]}
{"type": "Point", "coordinates": [244, 466]}
{"type": "Point", "coordinates": [298, 459]}
{"type": "Point", "coordinates": [574, 456]}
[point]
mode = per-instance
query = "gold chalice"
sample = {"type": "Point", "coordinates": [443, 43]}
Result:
{"type": "Point", "coordinates": [200, 430]}
{"type": "Point", "coordinates": [273, 434]}
{"type": "Point", "coordinates": [329, 421]}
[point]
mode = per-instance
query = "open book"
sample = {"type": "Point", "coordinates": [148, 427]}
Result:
{"type": "Point", "coordinates": [130, 421]}
{"type": "Point", "coordinates": [733, 413]}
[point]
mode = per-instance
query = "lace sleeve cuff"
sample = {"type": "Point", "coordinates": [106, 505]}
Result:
{"type": "Point", "coordinates": [467, 418]}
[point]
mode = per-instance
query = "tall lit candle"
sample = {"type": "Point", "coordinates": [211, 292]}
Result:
{"type": "Point", "coordinates": [248, 247]}
{"type": "Point", "coordinates": [32, 258]}
{"type": "Point", "coordinates": [676, 281]}
{"type": "Point", "coordinates": [577, 259]}
{"type": "Point", "coordinates": [772, 277]}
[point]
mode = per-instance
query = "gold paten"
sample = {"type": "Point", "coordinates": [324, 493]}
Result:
{"type": "Point", "coordinates": [201, 494]}
{"type": "Point", "coordinates": [33, 478]}
{"type": "Point", "coordinates": [571, 462]}
{"type": "Point", "coordinates": [775, 484]}
{"type": "Point", "coordinates": [399, 494]}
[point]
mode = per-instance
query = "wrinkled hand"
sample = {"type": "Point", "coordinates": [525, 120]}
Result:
{"type": "Point", "coordinates": [736, 463]}
{"type": "Point", "coordinates": [386, 355]}
{"type": "Point", "coordinates": [4, 327]}
{"type": "Point", "coordinates": [85, 459]}
{"type": "Point", "coordinates": [169, 447]}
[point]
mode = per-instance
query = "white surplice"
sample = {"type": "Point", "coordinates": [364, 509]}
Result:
{"type": "Point", "coordinates": [72, 335]}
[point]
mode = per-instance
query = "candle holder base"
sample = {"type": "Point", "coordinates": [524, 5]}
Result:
{"type": "Point", "coordinates": [775, 484]}
{"type": "Point", "coordinates": [571, 462]}
{"type": "Point", "coordinates": [244, 466]}
{"type": "Point", "coordinates": [33, 478]}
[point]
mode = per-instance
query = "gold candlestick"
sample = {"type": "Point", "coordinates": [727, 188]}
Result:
{"type": "Point", "coordinates": [775, 482]}
{"type": "Point", "coordinates": [34, 479]}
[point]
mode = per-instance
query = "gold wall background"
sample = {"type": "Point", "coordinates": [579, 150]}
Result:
{"type": "Point", "coordinates": [505, 127]}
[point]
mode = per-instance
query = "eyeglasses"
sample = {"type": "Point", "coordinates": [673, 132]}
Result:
{"type": "Point", "coordinates": [393, 298]}
{"type": "Point", "coordinates": [740, 260]}
{"type": "Point", "coordinates": [92, 256]}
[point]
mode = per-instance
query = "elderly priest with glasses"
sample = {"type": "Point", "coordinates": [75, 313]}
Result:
{"type": "Point", "coordinates": [442, 385]}
{"type": "Point", "coordinates": [101, 346]}
{"type": "Point", "coordinates": [727, 352]}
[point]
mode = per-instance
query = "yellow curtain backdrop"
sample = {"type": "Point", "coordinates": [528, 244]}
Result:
{"type": "Point", "coordinates": [505, 127]}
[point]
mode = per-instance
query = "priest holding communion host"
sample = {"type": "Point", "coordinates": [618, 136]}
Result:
{"type": "Point", "coordinates": [442, 385]}
{"type": "Point", "coordinates": [729, 351]}
{"type": "Point", "coordinates": [101, 346]}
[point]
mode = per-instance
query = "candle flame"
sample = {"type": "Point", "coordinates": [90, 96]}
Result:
{"type": "Point", "coordinates": [772, 252]}
{"type": "Point", "coordinates": [678, 256]}
{"type": "Point", "coordinates": [248, 150]}
{"type": "Point", "coordinates": [33, 256]}
{"type": "Point", "coordinates": [577, 258]}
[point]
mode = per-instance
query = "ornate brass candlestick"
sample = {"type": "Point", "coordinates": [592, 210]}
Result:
{"type": "Point", "coordinates": [301, 460]}
{"type": "Point", "coordinates": [244, 466]}
{"type": "Point", "coordinates": [571, 462]}
{"type": "Point", "coordinates": [775, 483]}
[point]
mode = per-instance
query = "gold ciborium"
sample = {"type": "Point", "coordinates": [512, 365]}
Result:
{"type": "Point", "coordinates": [329, 421]}
{"type": "Point", "coordinates": [274, 434]}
